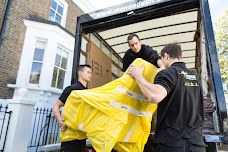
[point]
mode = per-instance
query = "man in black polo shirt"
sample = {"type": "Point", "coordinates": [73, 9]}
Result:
{"type": "Point", "coordinates": [84, 75]}
{"type": "Point", "coordinates": [139, 50]}
{"type": "Point", "coordinates": [180, 112]}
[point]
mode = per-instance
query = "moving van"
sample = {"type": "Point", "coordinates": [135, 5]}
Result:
{"type": "Point", "coordinates": [101, 41]}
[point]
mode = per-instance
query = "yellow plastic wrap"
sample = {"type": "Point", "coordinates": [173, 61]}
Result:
{"type": "Point", "coordinates": [115, 115]}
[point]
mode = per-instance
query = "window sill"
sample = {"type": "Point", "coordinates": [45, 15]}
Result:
{"type": "Point", "coordinates": [36, 87]}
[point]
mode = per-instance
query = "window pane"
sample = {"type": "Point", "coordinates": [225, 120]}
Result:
{"type": "Point", "coordinates": [40, 44]}
{"type": "Point", "coordinates": [64, 54]}
{"type": "Point", "coordinates": [64, 63]}
{"type": "Point", "coordinates": [60, 10]}
{"type": "Point", "coordinates": [59, 51]}
{"type": "Point", "coordinates": [57, 60]}
{"type": "Point", "coordinates": [61, 60]}
{"type": "Point", "coordinates": [60, 79]}
{"type": "Point", "coordinates": [35, 73]}
{"type": "Point", "coordinates": [53, 4]}
{"type": "Point", "coordinates": [52, 16]}
{"type": "Point", "coordinates": [54, 77]}
{"type": "Point", "coordinates": [58, 18]}
{"type": "Point", "coordinates": [64, 59]}
{"type": "Point", "coordinates": [38, 55]}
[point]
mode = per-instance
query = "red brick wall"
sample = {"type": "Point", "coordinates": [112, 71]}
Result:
{"type": "Point", "coordinates": [72, 13]}
{"type": "Point", "coordinates": [13, 38]}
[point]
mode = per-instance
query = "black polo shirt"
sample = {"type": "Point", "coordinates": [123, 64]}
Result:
{"type": "Point", "coordinates": [67, 91]}
{"type": "Point", "coordinates": [180, 114]}
{"type": "Point", "coordinates": [146, 53]}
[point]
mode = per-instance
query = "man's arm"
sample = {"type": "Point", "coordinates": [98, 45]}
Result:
{"type": "Point", "coordinates": [56, 111]}
{"type": "Point", "coordinates": [155, 93]}
{"type": "Point", "coordinates": [154, 58]}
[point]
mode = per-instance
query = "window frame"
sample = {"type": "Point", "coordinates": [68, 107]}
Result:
{"type": "Point", "coordinates": [32, 61]}
{"type": "Point", "coordinates": [60, 68]}
{"type": "Point", "coordinates": [54, 36]}
{"type": "Point", "coordinates": [64, 16]}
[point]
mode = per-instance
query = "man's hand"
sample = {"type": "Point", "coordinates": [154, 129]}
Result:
{"type": "Point", "coordinates": [135, 72]}
{"type": "Point", "coordinates": [62, 126]}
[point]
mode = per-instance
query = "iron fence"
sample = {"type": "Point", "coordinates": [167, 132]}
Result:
{"type": "Point", "coordinates": [45, 128]}
{"type": "Point", "coordinates": [4, 125]}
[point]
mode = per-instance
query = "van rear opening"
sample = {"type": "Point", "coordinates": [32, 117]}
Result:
{"type": "Point", "coordinates": [101, 40]}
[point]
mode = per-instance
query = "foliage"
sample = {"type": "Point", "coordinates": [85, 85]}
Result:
{"type": "Point", "coordinates": [221, 38]}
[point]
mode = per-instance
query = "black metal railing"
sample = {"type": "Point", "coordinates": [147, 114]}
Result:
{"type": "Point", "coordinates": [45, 128]}
{"type": "Point", "coordinates": [4, 125]}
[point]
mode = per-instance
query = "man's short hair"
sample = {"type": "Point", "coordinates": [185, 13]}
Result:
{"type": "Point", "coordinates": [173, 50]}
{"type": "Point", "coordinates": [131, 36]}
{"type": "Point", "coordinates": [82, 66]}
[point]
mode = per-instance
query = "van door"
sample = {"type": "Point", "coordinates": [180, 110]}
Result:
{"type": "Point", "coordinates": [101, 66]}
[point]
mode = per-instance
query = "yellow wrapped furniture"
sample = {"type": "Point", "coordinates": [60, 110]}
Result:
{"type": "Point", "coordinates": [115, 115]}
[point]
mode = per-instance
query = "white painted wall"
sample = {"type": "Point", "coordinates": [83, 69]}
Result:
{"type": "Point", "coordinates": [20, 120]}
{"type": "Point", "coordinates": [43, 93]}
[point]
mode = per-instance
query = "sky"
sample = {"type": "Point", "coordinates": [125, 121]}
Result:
{"type": "Point", "coordinates": [216, 6]}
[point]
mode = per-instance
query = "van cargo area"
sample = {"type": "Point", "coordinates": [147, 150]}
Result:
{"type": "Point", "coordinates": [101, 40]}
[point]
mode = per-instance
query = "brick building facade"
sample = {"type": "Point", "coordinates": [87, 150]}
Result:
{"type": "Point", "coordinates": [3, 5]}
{"type": "Point", "coordinates": [60, 15]}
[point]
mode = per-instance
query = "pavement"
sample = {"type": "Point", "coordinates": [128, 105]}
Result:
{"type": "Point", "coordinates": [223, 148]}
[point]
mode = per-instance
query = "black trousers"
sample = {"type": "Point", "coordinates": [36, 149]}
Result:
{"type": "Point", "coordinates": [184, 146]}
{"type": "Point", "coordinates": [73, 146]}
